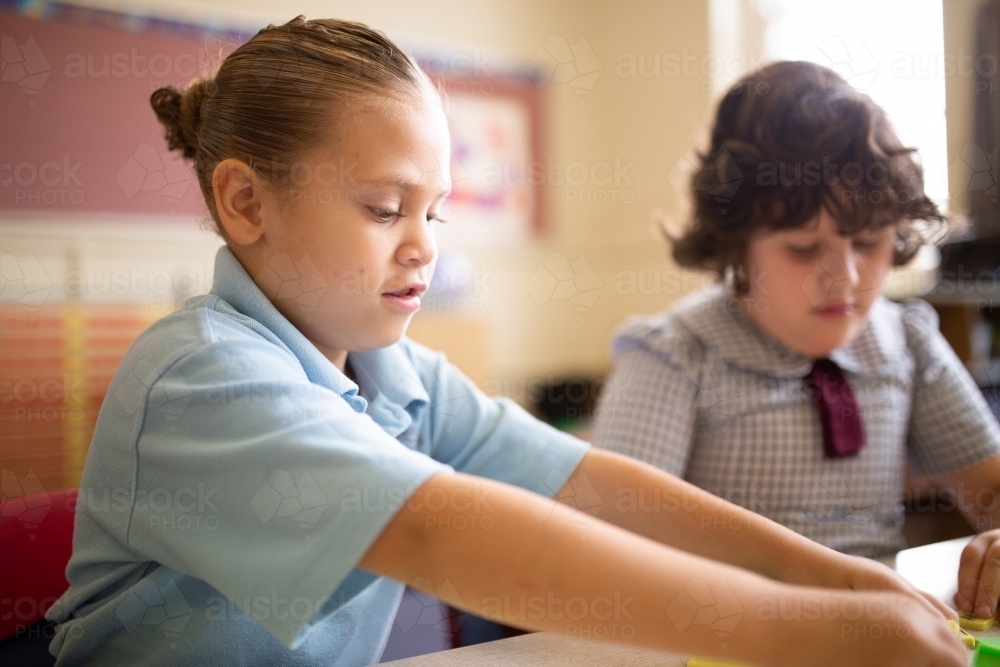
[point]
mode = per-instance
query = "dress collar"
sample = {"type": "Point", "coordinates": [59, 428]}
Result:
{"type": "Point", "coordinates": [716, 318]}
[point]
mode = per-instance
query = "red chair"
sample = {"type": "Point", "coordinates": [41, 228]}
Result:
{"type": "Point", "coordinates": [36, 539]}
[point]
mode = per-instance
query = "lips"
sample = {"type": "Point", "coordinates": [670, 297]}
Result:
{"type": "Point", "coordinates": [837, 309]}
{"type": "Point", "coordinates": [414, 289]}
{"type": "Point", "coordinates": [405, 299]}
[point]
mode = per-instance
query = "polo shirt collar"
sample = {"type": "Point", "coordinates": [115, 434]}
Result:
{"type": "Point", "coordinates": [234, 285]}
{"type": "Point", "coordinates": [396, 396]}
{"type": "Point", "coordinates": [393, 393]}
{"type": "Point", "coordinates": [389, 379]}
{"type": "Point", "coordinates": [714, 317]}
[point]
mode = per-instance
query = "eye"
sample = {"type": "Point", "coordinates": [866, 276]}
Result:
{"type": "Point", "coordinates": [867, 244]}
{"type": "Point", "coordinates": [803, 251]}
{"type": "Point", "coordinates": [384, 215]}
{"type": "Point", "coordinates": [433, 217]}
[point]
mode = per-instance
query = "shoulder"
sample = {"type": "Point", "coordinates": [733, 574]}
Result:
{"type": "Point", "coordinates": [924, 339]}
{"type": "Point", "coordinates": [434, 374]}
{"type": "Point", "coordinates": [918, 316]}
{"type": "Point", "coordinates": [419, 355]}
{"type": "Point", "coordinates": [203, 320]}
{"type": "Point", "coordinates": [206, 336]}
{"type": "Point", "coordinates": [423, 362]}
{"type": "Point", "coordinates": [918, 322]}
{"type": "Point", "coordinates": [671, 334]}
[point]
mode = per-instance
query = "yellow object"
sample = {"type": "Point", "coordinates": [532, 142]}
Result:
{"type": "Point", "coordinates": [967, 639]}
{"type": "Point", "coordinates": [705, 662]}
{"type": "Point", "coordinates": [970, 622]}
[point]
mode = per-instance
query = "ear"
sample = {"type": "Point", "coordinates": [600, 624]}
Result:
{"type": "Point", "coordinates": [239, 201]}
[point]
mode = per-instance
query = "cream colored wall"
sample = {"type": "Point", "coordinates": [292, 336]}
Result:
{"type": "Point", "coordinates": [960, 88]}
{"type": "Point", "coordinates": [647, 122]}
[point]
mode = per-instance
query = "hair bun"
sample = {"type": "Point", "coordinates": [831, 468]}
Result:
{"type": "Point", "coordinates": [180, 115]}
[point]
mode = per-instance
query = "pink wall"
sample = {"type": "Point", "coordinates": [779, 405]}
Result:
{"type": "Point", "coordinates": [78, 134]}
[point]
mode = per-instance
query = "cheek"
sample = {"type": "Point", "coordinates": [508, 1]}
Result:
{"type": "Point", "coordinates": [778, 281]}
{"type": "Point", "coordinates": [877, 268]}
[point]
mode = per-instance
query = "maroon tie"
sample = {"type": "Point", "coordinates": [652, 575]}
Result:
{"type": "Point", "coordinates": [843, 433]}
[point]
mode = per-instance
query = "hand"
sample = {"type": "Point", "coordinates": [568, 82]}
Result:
{"type": "Point", "coordinates": [979, 575]}
{"type": "Point", "coordinates": [863, 574]}
{"type": "Point", "coordinates": [895, 630]}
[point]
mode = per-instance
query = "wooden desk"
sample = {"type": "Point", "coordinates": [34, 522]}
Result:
{"type": "Point", "coordinates": [933, 568]}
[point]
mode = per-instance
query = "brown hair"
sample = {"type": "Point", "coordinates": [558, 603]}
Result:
{"type": "Point", "coordinates": [282, 93]}
{"type": "Point", "coordinates": [789, 139]}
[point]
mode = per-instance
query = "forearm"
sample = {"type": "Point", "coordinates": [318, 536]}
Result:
{"type": "Point", "coordinates": [647, 501]}
{"type": "Point", "coordinates": [523, 560]}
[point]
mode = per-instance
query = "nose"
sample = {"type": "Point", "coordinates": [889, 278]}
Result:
{"type": "Point", "coordinates": [841, 265]}
{"type": "Point", "coordinates": [853, 274]}
{"type": "Point", "coordinates": [418, 246]}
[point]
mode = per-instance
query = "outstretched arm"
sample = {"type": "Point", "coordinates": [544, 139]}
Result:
{"type": "Point", "coordinates": [540, 567]}
{"type": "Point", "coordinates": [644, 500]}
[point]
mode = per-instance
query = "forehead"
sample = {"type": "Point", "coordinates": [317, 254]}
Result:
{"type": "Point", "coordinates": [388, 138]}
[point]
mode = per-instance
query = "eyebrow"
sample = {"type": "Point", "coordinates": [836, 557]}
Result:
{"type": "Point", "coordinates": [402, 182]}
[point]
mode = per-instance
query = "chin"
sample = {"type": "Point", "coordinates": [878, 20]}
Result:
{"type": "Point", "coordinates": [823, 346]}
{"type": "Point", "coordinates": [388, 338]}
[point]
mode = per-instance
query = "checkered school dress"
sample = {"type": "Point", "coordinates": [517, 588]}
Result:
{"type": "Point", "coordinates": [703, 393]}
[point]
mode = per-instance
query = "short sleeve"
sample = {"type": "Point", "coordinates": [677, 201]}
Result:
{"type": "Point", "coordinates": [263, 484]}
{"type": "Point", "coordinates": [491, 437]}
{"type": "Point", "coordinates": [648, 408]}
{"type": "Point", "coordinates": [951, 426]}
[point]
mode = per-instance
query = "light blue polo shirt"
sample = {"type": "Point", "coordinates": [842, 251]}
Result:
{"type": "Point", "coordinates": [236, 477]}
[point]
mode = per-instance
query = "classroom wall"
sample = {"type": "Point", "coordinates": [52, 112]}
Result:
{"type": "Point", "coordinates": [642, 119]}
{"type": "Point", "coordinates": [650, 104]}
{"type": "Point", "coordinates": [960, 88]}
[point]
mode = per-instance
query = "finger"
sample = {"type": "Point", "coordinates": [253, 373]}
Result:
{"type": "Point", "coordinates": [929, 602]}
{"type": "Point", "coordinates": [969, 567]}
{"type": "Point", "coordinates": [952, 653]}
{"type": "Point", "coordinates": [989, 582]}
{"type": "Point", "coordinates": [940, 606]}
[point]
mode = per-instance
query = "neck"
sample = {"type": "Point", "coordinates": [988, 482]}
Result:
{"type": "Point", "coordinates": [337, 357]}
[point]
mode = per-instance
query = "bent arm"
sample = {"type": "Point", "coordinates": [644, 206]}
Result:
{"type": "Point", "coordinates": [975, 490]}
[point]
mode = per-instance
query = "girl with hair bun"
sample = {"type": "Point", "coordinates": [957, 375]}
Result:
{"type": "Point", "coordinates": [275, 460]}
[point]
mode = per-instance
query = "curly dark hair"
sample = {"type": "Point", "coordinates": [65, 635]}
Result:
{"type": "Point", "coordinates": [789, 139]}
